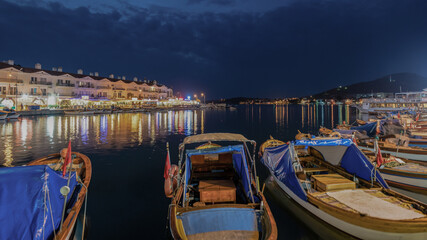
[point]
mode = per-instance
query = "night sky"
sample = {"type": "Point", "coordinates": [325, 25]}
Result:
{"type": "Point", "coordinates": [225, 48]}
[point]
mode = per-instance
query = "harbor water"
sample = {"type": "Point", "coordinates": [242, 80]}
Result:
{"type": "Point", "coordinates": [128, 152]}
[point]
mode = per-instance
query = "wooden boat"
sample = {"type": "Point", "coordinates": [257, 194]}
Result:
{"type": "Point", "coordinates": [402, 173]}
{"type": "Point", "coordinates": [410, 153]}
{"type": "Point", "coordinates": [79, 112]}
{"type": "Point", "coordinates": [99, 111]}
{"type": "Point", "coordinates": [8, 115]}
{"type": "Point", "coordinates": [216, 196]}
{"type": "Point", "coordinates": [46, 198]}
{"type": "Point", "coordinates": [334, 182]}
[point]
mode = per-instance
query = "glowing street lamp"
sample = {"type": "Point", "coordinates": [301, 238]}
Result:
{"type": "Point", "coordinates": [195, 96]}
{"type": "Point", "coordinates": [203, 95]}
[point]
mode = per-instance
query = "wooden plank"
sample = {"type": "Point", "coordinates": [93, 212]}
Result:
{"type": "Point", "coordinates": [317, 169]}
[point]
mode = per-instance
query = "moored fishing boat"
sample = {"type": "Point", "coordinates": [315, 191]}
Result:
{"type": "Point", "coordinates": [214, 192]}
{"type": "Point", "coordinates": [33, 197]}
{"type": "Point", "coordinates": [336, 183]}
{"type": "Point", "coordinates": [410, 153]}
{"type": "Point", "coordinates": [9, 115]}
{"type": "Point", "coordinates": [3, 116]}
{"type": "Point", "coordinates": [401, 173]}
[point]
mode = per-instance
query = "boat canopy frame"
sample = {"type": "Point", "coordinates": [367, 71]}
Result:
{"type": "Point", "coordinates": [219, 137]}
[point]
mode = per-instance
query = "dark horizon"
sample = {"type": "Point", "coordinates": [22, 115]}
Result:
{"type": "Point", "coordinates": [224, 48]}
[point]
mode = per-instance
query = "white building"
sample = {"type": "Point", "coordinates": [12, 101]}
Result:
{"type": "Point", "coordinates": [24, 86]}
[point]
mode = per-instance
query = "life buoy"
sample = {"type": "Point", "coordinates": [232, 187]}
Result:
{"type": "Point", "coordinates": [336, 134]}
{"type": "Point", "coordinates": [171, 182]}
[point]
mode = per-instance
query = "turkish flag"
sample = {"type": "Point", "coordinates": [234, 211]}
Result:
{"type": "Point", "coordinates": [167, 166]}
{"type": "Point", "coordinates": [67, 159]}
{"type": "Point", "coordinates": [380, 159]}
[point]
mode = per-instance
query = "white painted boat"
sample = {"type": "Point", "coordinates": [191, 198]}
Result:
{"type": "Point", "coordinates": [402, 152]}
{"type": "Point", "coordinates": [13, 115]}
{"type": "Point", "coordinates": [79, 112]}
{"type": "Point", "coordinates": [298, 174]}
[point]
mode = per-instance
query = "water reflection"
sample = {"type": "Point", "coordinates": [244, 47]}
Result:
{"type": "Point", "coordinates": [312, 116]}
{"type": "Point", "coordinates": [115, 131]}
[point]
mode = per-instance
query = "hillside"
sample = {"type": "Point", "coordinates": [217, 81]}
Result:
{"type": "Point", "coordinates": [389, 84]}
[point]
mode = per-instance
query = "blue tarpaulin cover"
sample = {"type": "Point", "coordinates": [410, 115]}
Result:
{"type": "Point", "coordinates": [24, 201]}
{"type": "Point", "coordinates": [355, 162]}
{"type": "Point", "coordinates": [334, 142]}
{"type": "Point", "coordinates": [279, 161]}
{"type": "Point", "coordinates": [219, 219]}
{"type": "Point", "coordinates": [370, 128]}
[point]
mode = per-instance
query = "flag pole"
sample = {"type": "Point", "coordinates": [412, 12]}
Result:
{"type": "Point", "coordinates": [66, 189]}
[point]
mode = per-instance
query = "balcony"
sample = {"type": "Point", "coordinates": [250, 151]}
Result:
{"type": "Point", "coordinates": [65, 85]}
{"type": "Point", "coordinates": [9, 80]}
{"type": "Point", "coordinates": [103, 87]}
{"type": "Point", "coordinates": [132, 89]}
{"type": "Point", "coordinates": [86, 86]}
{"type": "Point", "coordinates": [41, 83]}
{"type": "Point", "coordinates": [121, 89]}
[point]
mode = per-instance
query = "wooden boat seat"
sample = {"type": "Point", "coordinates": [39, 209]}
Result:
{"type": "Point", "coordinates": [328, 182]}
{"type": "Point", "coordinates": [232, 234]}
{"type": "Point", "coordinates": [217, 191]}
{"type": "Point", "coordinates": [317, 169]}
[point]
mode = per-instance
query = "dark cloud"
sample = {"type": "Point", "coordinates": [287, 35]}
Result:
{"type": "Point", "coordinates": [302, 48]}
{"type": "Point", "coordinates": [217, 2]}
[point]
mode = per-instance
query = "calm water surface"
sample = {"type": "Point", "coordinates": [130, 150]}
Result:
{"type": "Point", "coordinates": [126, 199]}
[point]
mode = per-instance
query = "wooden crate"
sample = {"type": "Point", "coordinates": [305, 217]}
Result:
{"type": "Point", "coordinates": [329, 182]}
{"type": "Point", "coordinates": [217, 191]}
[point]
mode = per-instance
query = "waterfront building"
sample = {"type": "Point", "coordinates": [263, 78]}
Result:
{"type": "Point", "coordinates": [403, 101]}
{"type": "Point", "coordinates": [23, 87]}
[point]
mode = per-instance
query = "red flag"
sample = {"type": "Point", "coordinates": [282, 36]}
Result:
{"type": "Point", "coordinates": [380, 159]}
{"type": "Point", "coordinates": [354, 141]}
{"type": "Point", "coordinates": [67, 159]}
{"type": "Point", "coordinates": [398, 115]}
{"type": "Point", "coordinates": [417, 118]}
{"type": "Point", "coordinates": [167, 166]}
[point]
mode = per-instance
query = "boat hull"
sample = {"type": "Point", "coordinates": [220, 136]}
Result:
{"type": "Point", "coordinates": [13, 116]}
{"type": "Point", "coordinates": [422, 157]}
{"type": "Point", "coordinates": [404, 180]}
{"type": "Point", "coordinates": [349, 228]}
{"type": "Point", "coordinates": [3, 117]}
{"type": "Point", "coordinates": [79, 112]}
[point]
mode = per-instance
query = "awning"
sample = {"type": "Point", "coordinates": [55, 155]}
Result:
{"type": "Point", "coordinates": [218, 137]}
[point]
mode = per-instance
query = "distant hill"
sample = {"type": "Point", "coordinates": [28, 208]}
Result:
{"type": "Point", "coordinates": [388, 84]}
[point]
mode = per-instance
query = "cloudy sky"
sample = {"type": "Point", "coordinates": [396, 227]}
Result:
{"type": "Point", "coordinates": [225, 48]}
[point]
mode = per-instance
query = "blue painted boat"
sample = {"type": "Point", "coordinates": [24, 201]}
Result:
{"type": "Point", "coordinates": [335, 182]}
{"type": "Point", "coordinates": [216, 195]}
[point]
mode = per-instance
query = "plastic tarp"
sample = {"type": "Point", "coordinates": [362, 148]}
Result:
{"type": "Point", "coordinates": [239, 162]}
{"type": "Point", "coordinates": [279, 161]}
{"type": "Point", "coordinates": [219, 219]}
{"type": "Point", "coordinates": [369, 128]}
{"type": "Point", "coordinates": [335, 142]}
{"type": "Point", "coordinates": [355, 162]}
{"type": "Point", "coordinates": [27, 196]}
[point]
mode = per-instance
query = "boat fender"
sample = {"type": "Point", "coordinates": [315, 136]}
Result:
{"type": "Point", "coordinates": [171, 182]}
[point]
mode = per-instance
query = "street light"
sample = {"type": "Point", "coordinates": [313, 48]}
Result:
{"type": "Point", "coordinates": [195, 96]}
{"type": "Point", "coordinates": [204, 100]}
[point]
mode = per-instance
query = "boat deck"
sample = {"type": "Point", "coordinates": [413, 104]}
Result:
{"type": "Point", "coordinates": [411, 167]}
{"type": "Point", "coordinates": [370, 202]}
